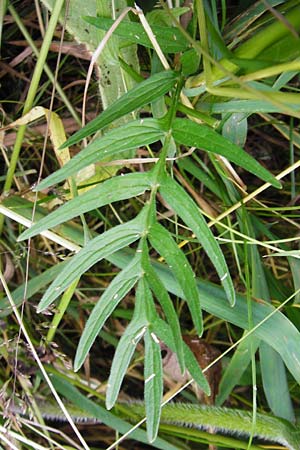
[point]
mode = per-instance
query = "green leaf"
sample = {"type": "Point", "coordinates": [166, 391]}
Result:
{"type": "Point", "coordinates": [112, 190]}
{"type": "Point", "coordinates": [125, 349]}
{"type": "Point", "coordinates": [274, 378]}
{"type": "Point", "coordinates": [129, 136]}
{"type": "Point", "coordinates": [153, 389]}
{"type": "Point", "coordinates": [166, 303]}
{"type": "Point", "coordinates": [164, 244]}
{"type": "Point", "coordinates": [272, 326]}
{"type": "Point", "coordinates": [145, 92]}
{"type": "Point", "coordinates": [187, 209]}
{"type": "Point", "coordinates": [97, 249]}
{"type": "Point", "coordinates": [236, 367]}
{"type": "Point", "coordinates": [235, 129]}
{"type": "Point", "coordinates": [163, 331]}
{"type": "Point", "coordinates": [111, 297]}
{"type": "Point", "coordinates": [189, 133]}
{"type": "Point", "coordinates": [170, 39]}
{"type": "Point", "coordinates": [272, 367]}
{"type": "Point", "coordinates": [277, 330]}
{"type": "Point", "coordinates": [35, 285]}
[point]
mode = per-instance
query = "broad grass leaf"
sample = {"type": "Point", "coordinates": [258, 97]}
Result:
{"type": "Point", "coordinates": [235, 129]}
{"type": "Point", "coordinates": [236, 367]}
{"type": "Point", "coordinates": [129, 136]}
{"type": "Point", "coordinates": [295, 269]}
{"type": "Point", "coordinates": [275, 380]}
{"type": "Point", "coordinates": [99, 412]}
{"type": "Point", "coordinates": [145, 92]}
{"type": "Point", "coordinates": [164, 244]}
{"type": "Point", "coordinates": [153, 388]}
{"type": "Point", "coordinates": [170, 39]}
{"type": "Point", "coordinates": [111, 297]}
{"type": "Point", "coordinates": [189, 133]}
{"type": "Point", "coordinates": [112, 190]}
{"type": "Point", "coordinates": [96, 249]}
{"type": "Point", "coordinates": [33, 286]}
{"type": "Point", "coordinates": [189, 212]}
{"type": "Point", "coordinates": [272, 367]}
{"type": "Point", "coordinates": [163, 331]}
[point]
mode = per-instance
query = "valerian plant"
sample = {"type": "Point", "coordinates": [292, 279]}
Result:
{"type": "Point", "coordinates": [131, 244]}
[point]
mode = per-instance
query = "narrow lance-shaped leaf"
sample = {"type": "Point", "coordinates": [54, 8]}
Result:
{"type": "Point", "coordinates": [126, 347]}
{"type": "Point", "coordinates": [166, 303]}
{"type": "Point", "coordinates": [153, 389]}
{"type": "Point", "coordinates": [129, 136]}
{"type": "Point", "coordinates": [111, 297]}
{"type": "Point", "coordinates": [170, 39]}
{"type": "Point", "coordinates": [112, 190]}
{"type": "Point", "coordinates": [97, 249]}
{"type": "Point", "coordinates": [145, 92]}
{"type": "Point", "coordinates": [163, 331]}
{"type": "Point", "coordinates": [192, 134]}
{"type": "Point", "coordinates": [189, 212]}
{"type": "Point", "coordinates": [164, 244]}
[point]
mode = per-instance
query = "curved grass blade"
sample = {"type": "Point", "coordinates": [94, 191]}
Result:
{"type": "Point", "coordinates": [111, 190]}
{"type": "Point", "coordinates": [164, 244]}
{"type": "Point", "coordinates": [192, 134]}
{"type": "Point", "coordinates": [129, 136]}
{"type": "Point", "coordinates": [153, 388]}
{"type": "Point", "coordinates": [170, 39]}
{"type": "Point", "coordinates": [145, 92]}
{"type": "Point", "coordinates": [97, 249]}
{"type": "Point", "coordinates": [189, 212]}
{"type": "Point", "coordinates": [236, 367]}
{"type": "Point", "coordinates": [274, 372]}
{"type": "Point", "coordinates": [111, 297]}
